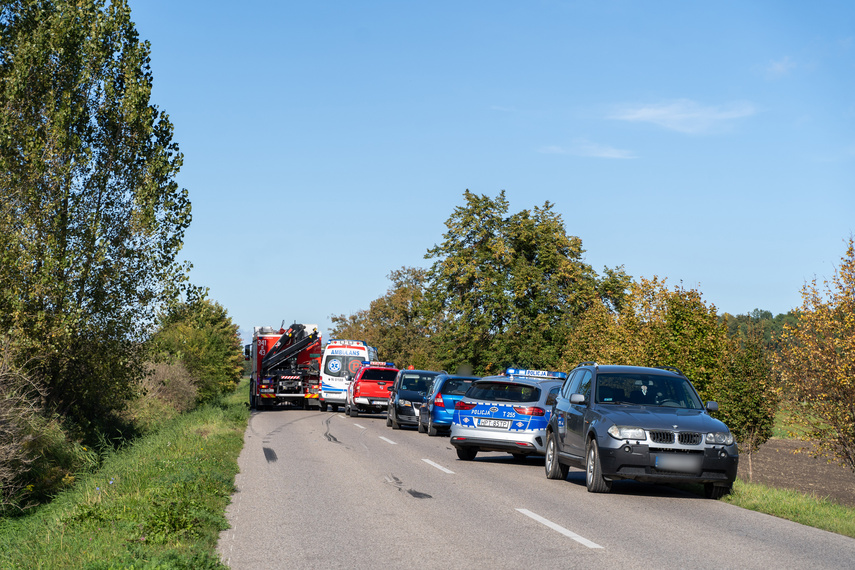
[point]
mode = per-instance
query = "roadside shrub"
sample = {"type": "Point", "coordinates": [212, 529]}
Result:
{"type": "Point", "coordinates": [167, 390]}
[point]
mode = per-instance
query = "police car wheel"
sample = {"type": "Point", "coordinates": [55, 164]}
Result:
{"type": "Point", "coordinates": [466, 453]}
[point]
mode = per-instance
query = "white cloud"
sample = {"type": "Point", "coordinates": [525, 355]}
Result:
{"type": "Point", "coordinates": [780, 68]}
{"type": "Point", "coordinates": [582, 147]}
{"type": "Point", "coordinates": [685, 116]}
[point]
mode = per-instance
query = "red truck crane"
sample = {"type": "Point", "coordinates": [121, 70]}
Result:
{"type": "Point", "coordinates": [286, 366]}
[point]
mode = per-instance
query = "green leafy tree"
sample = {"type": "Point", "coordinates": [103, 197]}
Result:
{"type": "Point", "coordinates": [507, 289]}
{"type": "Point", "coordinates": [91, 219]}
{"type": "Point", "coordinates": [202, 336]}
{"type": "Point", "coordinates": [817, 363]}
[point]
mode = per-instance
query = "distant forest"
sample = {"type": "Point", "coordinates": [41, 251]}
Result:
{"type": "Point", "coordinates": [761, 325]}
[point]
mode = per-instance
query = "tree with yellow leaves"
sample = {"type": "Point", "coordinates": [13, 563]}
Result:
{"type": "Point", "coordinates": [817, 363]}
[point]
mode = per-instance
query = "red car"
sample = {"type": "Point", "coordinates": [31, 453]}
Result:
{"type": "Point", "coordinates": [369, 391]}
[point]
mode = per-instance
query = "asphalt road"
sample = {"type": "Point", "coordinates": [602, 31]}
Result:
{"type": "Point", "coordinates": [323, 490]}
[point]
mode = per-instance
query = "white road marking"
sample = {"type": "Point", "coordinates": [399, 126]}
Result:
{"type": "Point", "coordinates": [581, 540]}
{"type": "Point", "coordinates": [388, 440]}
{"type": "Point", "coordinates": [359, 426]}
{"type": "Point", "coordinates": [438, 466]}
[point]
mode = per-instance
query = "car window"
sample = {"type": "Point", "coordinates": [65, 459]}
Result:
{"type": "Point", "coordinates": [584, 386]}
{"type": "Point", "coordinates": [646, 390]}
{"type": "Point", "coordinates": [570, 383]}
{"type": "Point", "coordinates": [417, 382]}
{"type": "Point", "coordinates": [503, 392]}
{"type": "Point", "coordinates": [379, 374]}
{"type": "Point", "coordinates": [455, 386]}
{"type": "Point", "coordinates": [553, 395]}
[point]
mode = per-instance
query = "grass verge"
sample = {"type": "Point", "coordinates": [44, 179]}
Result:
{"type": "Point", "coordinates": [804, 509]}
{"type": "Point", "coordinates": [158, 504]}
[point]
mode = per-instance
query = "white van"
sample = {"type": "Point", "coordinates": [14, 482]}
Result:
{"type": "Point", "coordinates": [341, 360]}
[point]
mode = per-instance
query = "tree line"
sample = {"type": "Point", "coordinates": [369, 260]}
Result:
{"type": "Point", "coordinates": [512, 289]}
{"type": "Point", "coordinates": [101, 333]}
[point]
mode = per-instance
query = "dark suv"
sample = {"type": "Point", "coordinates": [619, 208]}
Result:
{"type": "Point", "coordinates": [407, 395]}
{"type": "Point", "coordinates": [632, 422]}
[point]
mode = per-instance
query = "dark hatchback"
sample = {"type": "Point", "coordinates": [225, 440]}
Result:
{"type": "Point", "coordinates": [407, 395]}
{"type": "Point", "coordinates": [647, 424]}
{"type": "Point", "coordinates": [437, 411]}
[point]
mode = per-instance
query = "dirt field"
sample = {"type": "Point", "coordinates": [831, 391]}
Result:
{"type": "Point", "coordinates": [776, 464]}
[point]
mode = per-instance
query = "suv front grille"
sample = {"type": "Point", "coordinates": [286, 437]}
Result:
{"type": "Point", "coordinates": [661, 436]}
{"type": "Point", "coordinates": [689, 438]}
{"type": "Point", "coordinates": [683, 438]}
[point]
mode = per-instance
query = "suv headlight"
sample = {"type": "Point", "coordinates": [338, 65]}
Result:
{"type": "Point", "coordinates": [720, 438]}
{"type": "Point", "coordinates": [622, 432]}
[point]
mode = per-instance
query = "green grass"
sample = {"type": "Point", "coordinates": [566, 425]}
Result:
{"type": "Point", "coordinates": [794, 506]}
{"type": "Point", "coordinates": [157, 504]}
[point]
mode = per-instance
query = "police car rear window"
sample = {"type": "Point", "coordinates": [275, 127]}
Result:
{"type": "Point", "coordinates": [379, 374]}
{"type": "Point", "coordinates": [503, 392]}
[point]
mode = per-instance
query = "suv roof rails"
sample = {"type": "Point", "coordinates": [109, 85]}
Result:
{"type": "Point", "coordinates": [672, 369]}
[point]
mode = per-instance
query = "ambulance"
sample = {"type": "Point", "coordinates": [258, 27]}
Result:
{"type": "Point", "coordinates": [341, 360]}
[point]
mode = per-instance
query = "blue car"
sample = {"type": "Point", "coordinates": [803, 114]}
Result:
{"type": "Point", "coordinates": [436, 413]}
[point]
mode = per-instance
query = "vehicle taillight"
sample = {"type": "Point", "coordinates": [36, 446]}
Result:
{"type": "Point", "coordinates": [438, 401]}
{"type": "Point", "coordinates": [529, 411]}
{"type": "Point", "coordinates": [461, 405]}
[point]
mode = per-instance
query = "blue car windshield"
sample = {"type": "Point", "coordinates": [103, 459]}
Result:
{"type": "Point", "coordinates": [647, 390]}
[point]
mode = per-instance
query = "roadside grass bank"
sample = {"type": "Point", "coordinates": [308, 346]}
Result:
{"type": "Point", "coordinates": [159, 503]}
{"type": "Point", "coordinates": [798, 507]}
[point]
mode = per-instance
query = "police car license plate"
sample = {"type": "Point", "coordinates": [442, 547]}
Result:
{"type": "Point", "coordinates": [489, 422]}
{"type": "Point", "coordinates": [680, 463]}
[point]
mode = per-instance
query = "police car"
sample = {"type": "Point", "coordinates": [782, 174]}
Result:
{"type": "Point", "coordinates": [507, 413]}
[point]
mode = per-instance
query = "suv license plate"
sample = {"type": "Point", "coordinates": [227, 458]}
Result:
{"type": "Point", "coordinates": [681, 463]}
{"type": "Point", "coordinates": [488, 422]}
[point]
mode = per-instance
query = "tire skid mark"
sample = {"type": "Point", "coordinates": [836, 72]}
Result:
{"type": "Point", "coordinates": [399, 485]}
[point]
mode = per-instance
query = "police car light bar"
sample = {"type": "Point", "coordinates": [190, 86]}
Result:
{"type": "Point", "coordinates": [536, 373]}
{"type": "Point", "coordinates": [378, 363]}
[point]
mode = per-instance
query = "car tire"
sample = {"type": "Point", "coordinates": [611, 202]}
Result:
{"type": "Point", "coordinates": [554, 469]}
{"type": "Point", "coordinates": [593, 471]}
{"type": "Point", "coordinates": [421, 427]}
{"type": "Point", "coordinates": [431, 429]}
{"type": "Point", "coordinates": [323, 406]}
{"type": "Point", "coordinates": [354, 412]}
{"type": "Point", "coordinates": [388, 420]}
{"type": "Point", "coordinates": [466, 453]}
{"type": "Point", "coordinates": [334, 407]}
{"type": "Point", "coordinates": [713, 491]}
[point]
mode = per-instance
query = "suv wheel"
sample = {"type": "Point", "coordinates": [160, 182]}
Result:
{"type": "Point", "coordinates": [431, 429]}
{"type": "Point", "coordinates": [593, 471]}
{"type": "Point", "coordinates": [554, 469]}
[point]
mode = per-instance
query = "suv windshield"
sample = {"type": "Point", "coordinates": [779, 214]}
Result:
{"type": "Point", "coordinates": [503, 392]}
{"type": "Point", "coordinates": [646, 390]}
{"type": "Point", "coordinates": [417, 382]}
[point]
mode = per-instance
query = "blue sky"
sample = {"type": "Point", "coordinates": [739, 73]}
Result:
{"type": "Point", "coordinates": [326, 143]}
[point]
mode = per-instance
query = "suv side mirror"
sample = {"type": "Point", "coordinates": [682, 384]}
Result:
{"type": "Point", "coordinates": [712, 406]}
{"type": "Point", "coordinates": [578, 399]}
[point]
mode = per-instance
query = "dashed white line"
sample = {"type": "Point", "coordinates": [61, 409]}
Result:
{"type": "Point", "coordinates": [388, 440]}
{"type": "Point", "coordinates": [438, 466]}
{"type": "Point", "coordinates": [359, 426]}
{"type": "Point", "coordinates": [580, 539]}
